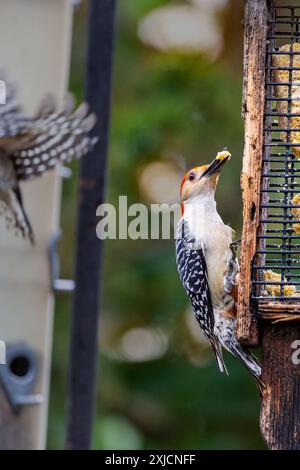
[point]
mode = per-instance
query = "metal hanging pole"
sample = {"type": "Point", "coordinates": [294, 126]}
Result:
{"type": "Point", "coordinates": [92, 182]}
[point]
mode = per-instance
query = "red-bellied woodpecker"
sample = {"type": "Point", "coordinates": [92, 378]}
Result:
{"type": "Point", "coordinates": [31, 146]}
{"type": "Point", "coordinates": [207, 263]}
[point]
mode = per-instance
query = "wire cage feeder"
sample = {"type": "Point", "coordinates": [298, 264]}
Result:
{"type": "Point", "coordinates": [270, 253]}
{"type": "Point", "coordinates": [276, 266]}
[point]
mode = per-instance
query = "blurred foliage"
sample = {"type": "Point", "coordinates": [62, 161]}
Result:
{"type": "Point", "coordinates": [164, 104]}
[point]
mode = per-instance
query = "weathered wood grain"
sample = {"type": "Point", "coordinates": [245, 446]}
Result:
{"type": "Point", "coordinates": [280, 414]}
{"type": "Point", "coordinates": [280, 401]}
{"type": "Point", "coordinates": [255, 24]}
{"type": "Point", "coordinates": [279, 311]}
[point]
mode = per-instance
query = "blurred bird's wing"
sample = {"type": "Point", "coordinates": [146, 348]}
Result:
{"type": "Point", "coordinates": [192, 270]}
{"type": "Point", "coordinates": [12, 120]}
{"type": "Point", "coordinates": [55, 137]}
{"type": "Point", "coordinates": [37, 144]}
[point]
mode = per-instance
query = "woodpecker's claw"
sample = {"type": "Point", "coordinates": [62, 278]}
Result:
{"type": "Point", "coordinates": [233, 269]}
{"type": "Point", "coordinates": [235, 244]}
{"type": "Point", "coordinates": [230, 278]}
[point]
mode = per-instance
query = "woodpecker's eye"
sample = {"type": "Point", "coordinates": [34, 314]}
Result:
{"type": "Point", "coordinates": [191, 177]}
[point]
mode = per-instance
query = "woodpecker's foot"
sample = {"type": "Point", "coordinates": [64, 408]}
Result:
{"type": "Point", "coordinates": [234, 246]}
{"type": "Point", "coordinates": [231, 276]}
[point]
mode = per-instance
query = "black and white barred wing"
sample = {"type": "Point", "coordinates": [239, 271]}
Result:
{"type": "Point", "coordinates": [55, 137]}
{"type": "Point", "coordinates": [192, 270]}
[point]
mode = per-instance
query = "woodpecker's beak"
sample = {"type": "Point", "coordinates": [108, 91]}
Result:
{"type": "Point", "coordinates": [217, 164]}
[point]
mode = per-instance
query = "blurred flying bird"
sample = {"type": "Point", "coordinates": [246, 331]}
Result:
{"type": "Point", "coordinates": [30, 146]}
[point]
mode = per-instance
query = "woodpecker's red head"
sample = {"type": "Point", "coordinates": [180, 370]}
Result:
{"type": "Point", "coordinates": [203, 179]}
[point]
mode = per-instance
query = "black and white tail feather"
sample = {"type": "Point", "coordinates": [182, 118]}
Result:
{"type": "Point", "coordinates": [29, 147]}
{"type": "Point", "coordinates": [224, 330]}
{"type": "Point", "coordinates": [220, 331]}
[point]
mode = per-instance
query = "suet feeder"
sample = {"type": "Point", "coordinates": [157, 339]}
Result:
{"type": "Point", "coordinates": [269, 286]}
{"type": "Point", "coordinates": [37, 60]}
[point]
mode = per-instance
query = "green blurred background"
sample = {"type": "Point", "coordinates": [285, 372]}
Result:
{"type": "Point", "coordinates": [177, 101]}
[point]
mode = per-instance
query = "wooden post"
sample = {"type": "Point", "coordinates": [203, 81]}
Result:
{"type": "Point", "coordinates": [255, 24]}
{"type": "Point", "coordinates": [35, 39]}
{"type": "Point", "coordinates": [280, 400]}
{"type": "Point", "coordinates": [280, 404]}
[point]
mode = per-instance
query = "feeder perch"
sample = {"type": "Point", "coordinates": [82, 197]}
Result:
{"type": "Point", "coordinates": [269, 288]}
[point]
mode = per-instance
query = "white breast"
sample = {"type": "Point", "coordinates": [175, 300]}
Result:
{"type": "Point", "coordinates": [214, 237]}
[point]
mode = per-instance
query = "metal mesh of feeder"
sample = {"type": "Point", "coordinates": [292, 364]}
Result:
{"type": "Point", "coordinates": [276, 266]}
